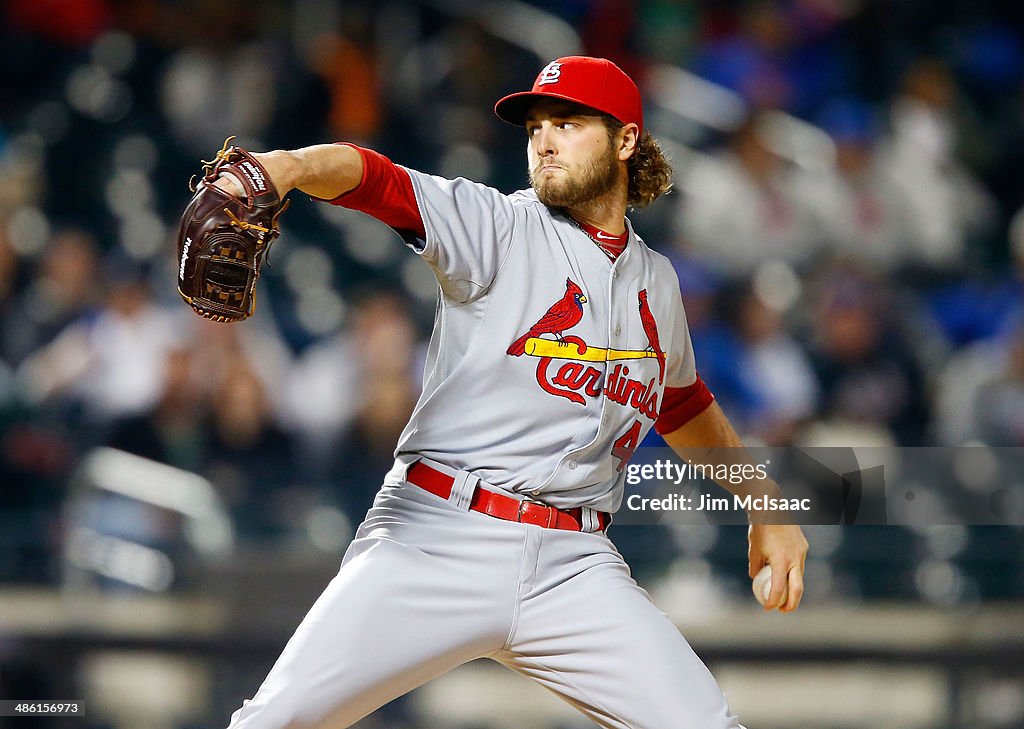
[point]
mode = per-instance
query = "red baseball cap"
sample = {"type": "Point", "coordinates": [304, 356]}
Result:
{"type": "Point", "coordinates": [594, 82]}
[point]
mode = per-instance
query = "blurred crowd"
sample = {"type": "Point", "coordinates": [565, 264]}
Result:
{"type": "Point", "coordinates": [850, 246]}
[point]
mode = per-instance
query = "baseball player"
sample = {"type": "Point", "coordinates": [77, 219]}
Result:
{"type": "Point", "coordinates": [560, 339]}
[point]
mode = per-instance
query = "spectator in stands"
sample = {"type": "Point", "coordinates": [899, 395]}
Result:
{"type": "Point", "coordinates": [347, 63]}
{"type": "Point", "coordinates": [999, 412]}
{"type": "Point", "coordinates": [983, 318]}
{"type": "Point", "coordinates": [65, 288]}
{"type": "Point", "coordinates": [250, 459]}
{"type": "Point", "coordinates": [740, 208]}
{"type": "Point", "coordinates": [944, 207]}
{"type": "Point", "coordinates": [108, 363]}
{"type": "Point", "coordinates": [775, 368]}
{"type": "Point", "coordinates": [257, 345]}
{"type": "Point", "coordinates": [852, 204]}
{"type": "Point", "coordinates": [175, 430]}
{"type": "Point", "coordinates": [866, 370]}
{"type": "Point", "coordinates": [225, 79]}
{"type": "Point", "coordinates": [215, 417]}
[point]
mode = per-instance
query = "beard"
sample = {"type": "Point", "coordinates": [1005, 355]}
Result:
{"type": "Point", "coordinates": [595, 178]}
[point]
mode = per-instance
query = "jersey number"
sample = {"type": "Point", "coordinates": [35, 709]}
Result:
{"type": "Point", "coordinates": [625, 446]}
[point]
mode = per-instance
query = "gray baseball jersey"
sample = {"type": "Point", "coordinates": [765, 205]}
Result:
{"type": "Point", "coordinates": [558, 417]}
{"type": "Point", "coordinates": [547, 366]}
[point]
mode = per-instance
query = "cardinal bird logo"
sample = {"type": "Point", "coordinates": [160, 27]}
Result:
{"type": "Point", "coordinates": [563, 315]}
{"type": "Point", "coordinates": [651, 329]}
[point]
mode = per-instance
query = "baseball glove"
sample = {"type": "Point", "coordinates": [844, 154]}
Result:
{"type": "Point", "coordinates": [223, 240]}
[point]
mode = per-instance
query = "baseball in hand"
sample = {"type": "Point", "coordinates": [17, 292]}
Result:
{"type": "Point", "coordinates": [762, 586]}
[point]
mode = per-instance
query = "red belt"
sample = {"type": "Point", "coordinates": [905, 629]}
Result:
{"type": "Point", "coordinates": [501, 506]}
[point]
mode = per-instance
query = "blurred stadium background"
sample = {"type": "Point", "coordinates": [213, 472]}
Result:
{"type": "Point", "coordinates": [847, 224]}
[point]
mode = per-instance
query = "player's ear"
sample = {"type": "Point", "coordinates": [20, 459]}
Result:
{"type": "Point", "coordinates": [628, 140]}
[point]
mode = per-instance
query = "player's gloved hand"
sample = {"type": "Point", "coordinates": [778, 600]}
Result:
{"type": "Point", "coordinates": [279, 167]}
{"type": "Point", "coordinates": [225, 234]}
{"type": "Point", "coordinates": [784, 547]}
{"type": "Point", "coordinates": [230, 185]}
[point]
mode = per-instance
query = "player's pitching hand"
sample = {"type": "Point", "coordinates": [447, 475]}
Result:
{"type": "Point", "coordinates": [784, 547]}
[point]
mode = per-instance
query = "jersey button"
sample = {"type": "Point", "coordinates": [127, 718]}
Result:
{"type": "Point", "coordinates": [615, 274]}
{"type": "Point", "coordinates": [618, 330]}
{"type": "Point", "coordinates": [572, 465]}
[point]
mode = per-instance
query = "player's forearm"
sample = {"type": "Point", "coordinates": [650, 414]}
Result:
{"type": "Point", "coordinates": [709, 438]}
{"type": "Point", "coordinates": [323, 170]}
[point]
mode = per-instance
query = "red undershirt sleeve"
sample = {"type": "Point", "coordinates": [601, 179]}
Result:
{"type": "Point", "coordinates": [385, 192]}
{"type": "Point", "coordinates": [680, 405]}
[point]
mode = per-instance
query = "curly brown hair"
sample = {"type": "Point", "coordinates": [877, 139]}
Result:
{"type": "Point", "coordinates": [650, 174]}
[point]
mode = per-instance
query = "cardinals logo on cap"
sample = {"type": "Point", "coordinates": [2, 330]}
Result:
{"type": "Point", "coordinates": [594, 82]}
{"type": "Point", "coordinates": [551, 73]}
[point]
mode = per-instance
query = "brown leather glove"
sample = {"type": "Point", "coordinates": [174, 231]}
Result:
{"type": "Point", "coordinates": [223, 239]}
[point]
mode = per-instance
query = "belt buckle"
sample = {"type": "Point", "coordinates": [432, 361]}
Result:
{"type": "Point", "coordinates": [550, 512]}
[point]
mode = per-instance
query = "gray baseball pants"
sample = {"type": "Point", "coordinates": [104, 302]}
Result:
{"type": "Point", "coordinates": [426, 586]}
